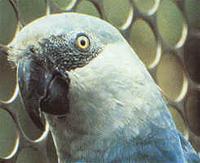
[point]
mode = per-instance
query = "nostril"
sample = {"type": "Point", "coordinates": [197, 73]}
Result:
{"type": "Point", "coordinates": [61, 117]}
{"type": "Point", "coordinates": [32, 49]}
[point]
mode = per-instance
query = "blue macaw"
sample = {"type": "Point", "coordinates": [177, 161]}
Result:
{"type": "Point", "coordinates": [96, 95]}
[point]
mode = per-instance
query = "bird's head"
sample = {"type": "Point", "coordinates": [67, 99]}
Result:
{"type": "Point", "coordinates": [81, 73]}
{"type": "Point", "coordinates": [48, 50]}
{"type": "Point", "coordinates": [81, 68]}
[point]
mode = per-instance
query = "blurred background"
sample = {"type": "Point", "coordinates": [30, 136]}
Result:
{"type": "Point", "coordinates": [164, 33]}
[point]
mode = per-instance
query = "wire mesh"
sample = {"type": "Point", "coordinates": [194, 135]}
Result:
{"type": "Point", "coordinates": [173, 61]}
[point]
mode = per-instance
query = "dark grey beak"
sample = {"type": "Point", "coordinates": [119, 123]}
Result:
{"type": "Point", "coordinates": [42, 90]}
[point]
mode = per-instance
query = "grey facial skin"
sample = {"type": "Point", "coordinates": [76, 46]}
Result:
{"type": "Point", "coordinates": [101, 103]}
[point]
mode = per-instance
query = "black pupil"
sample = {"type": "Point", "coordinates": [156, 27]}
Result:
{"type": "Point", "coordinates": [83, 42]}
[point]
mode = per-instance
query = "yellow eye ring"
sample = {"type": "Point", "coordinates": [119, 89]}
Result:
{"type": "Point", "coordinates": [82, 42]}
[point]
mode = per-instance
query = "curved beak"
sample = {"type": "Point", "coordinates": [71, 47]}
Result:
{"type": "Point", "coordinates": [42, 90]}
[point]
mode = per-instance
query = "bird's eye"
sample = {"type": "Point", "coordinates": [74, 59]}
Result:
{"type": "Point", "coordinates": [82, 42]}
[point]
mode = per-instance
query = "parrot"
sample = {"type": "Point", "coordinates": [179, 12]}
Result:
{"type": "Point", "coordinates": [79, 74]}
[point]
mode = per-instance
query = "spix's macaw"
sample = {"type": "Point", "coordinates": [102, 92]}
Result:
{"type": "Point", "coordinates": [96, 95]}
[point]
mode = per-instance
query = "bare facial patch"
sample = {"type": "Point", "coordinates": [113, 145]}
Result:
{"type": "Point", "coordinates": [63, 53]}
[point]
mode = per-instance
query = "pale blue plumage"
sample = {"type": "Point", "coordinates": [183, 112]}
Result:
{"type": "Point", "coordinates": [116, 112]}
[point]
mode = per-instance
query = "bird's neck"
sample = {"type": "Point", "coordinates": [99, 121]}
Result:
{"type": "Point", "coordinates": [78, 146]}
{"type": "Point", "coordinates": [74, 146]}
{"type": "Point", "coordinates": [104, 118]}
